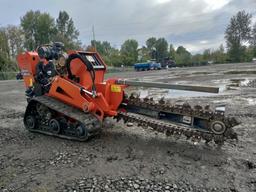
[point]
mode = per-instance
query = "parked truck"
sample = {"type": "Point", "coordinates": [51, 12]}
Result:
{"type": "Point", "coordinates": [168, 63]}
{"type": "Point", "coordinates": [146, 66]}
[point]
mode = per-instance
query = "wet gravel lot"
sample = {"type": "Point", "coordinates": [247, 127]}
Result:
{"type": "Point", "coordinates": [131, 158]}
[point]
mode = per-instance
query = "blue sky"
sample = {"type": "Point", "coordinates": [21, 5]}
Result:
{"type": "Point", "coordinates": [196, 24]}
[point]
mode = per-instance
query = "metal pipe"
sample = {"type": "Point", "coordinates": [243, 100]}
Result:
{"type": "Point", "coordinates": [87, 92]}
{"type": "Point", "coordinates": [208, 89]}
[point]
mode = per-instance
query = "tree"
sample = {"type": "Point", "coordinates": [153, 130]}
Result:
{"type": "Point", "coordinates": [4, 50]}
{"type": "Point", "coordinates": [151, 42]}
{"type": "Point", "coordinates": [129, 51]}
{"type": "Point", "coordinates": [197, 59]}
{"type": "Point", "coordinates": [219, 56]}
{"type": "Point", "coordinates": [39, 28]}
{"type": "Point", "coordinates": [66, 31]}
{"type": "Point", "coordinates": [253, 40]}
{"type": "Point", "coordinates": [158, 48]}
{"type": "Point", "coordinates": [183, 56]}
{"type": "Point", "coordinates": [236, 34]}
{"type": "Point", "coordinates": [103, 48]}
{"type": "Point", "coordinates": [172, 52]}
{"type": "Point", "coordinates": [144, 54]}
{"type": "Point", "coordinates": [207, 55]}
{"type": "Point", "coordinates": [114, 58]}
{"type": "Point", "coordinates": [161, 49]}
{"type": "Point", "coordinates": [110, 55]}
{"type": "Point", "coordinates": [15, 38]}
{"type": "Point", "coordinates": [28, 24]}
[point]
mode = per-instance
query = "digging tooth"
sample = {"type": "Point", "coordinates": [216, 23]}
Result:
{"type": "Point", "coordinates": [193, 138]}
{"type": "Point", "coordinates": [126, 96]}
{"type": "Point", "coordinates": [198, 107]}
{"type": "Point", "coordinates": [131, 96]}
{"type": "Point", "coordinates": [188, 134]}
{"type": "Point", "coordinates": [196, 139]}
{"type": "Point", "coordinates": [146, 99]}
{"type": "Point", "coordinates": [219, 140]}
{"type": "Point", "coordinates": [186, 110]}
{"type": "Point", "coordinates": [231, 134]}
{"type": "Point", "coordinates": [166, 107]}
{"type": "Point", "coordinates": [137, 98]}
{"type": "Point", "coordinates": [186, 105]}
{"type": "Point", "coordinates": [177, 135]}
{"type": "Point", "coordinates": [207, 107]}
{"type": "Point", "coordinates": [207, 137]}
{"type": "Point", "coordinates": [118, 118]}
{"type": "Point", "coordinates": [161, 101]}
{"type": "Point", "coordinates": [168, 133]}
{"type": "Point", "coordinates": [125, 119]}
{"type": "Point", "coordinates": [233, 121]}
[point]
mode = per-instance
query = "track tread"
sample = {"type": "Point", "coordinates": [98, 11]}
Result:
{"type": "Point", "coordinates": [92, 124]}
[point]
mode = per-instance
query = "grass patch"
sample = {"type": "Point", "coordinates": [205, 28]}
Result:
{"type": "Point", "coordinates": [8, 75]}
{"type": "Point", "coordinates": [240, 72]}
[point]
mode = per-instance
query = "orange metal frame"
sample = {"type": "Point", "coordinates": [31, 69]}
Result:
{"type": "Point", "coordinates": [109, 95]}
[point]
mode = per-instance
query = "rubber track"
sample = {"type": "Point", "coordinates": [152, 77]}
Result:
{"type": "Point", "coordinates": [90, 121]}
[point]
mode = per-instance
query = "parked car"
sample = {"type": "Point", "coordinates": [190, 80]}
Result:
{"type": "Point", "coordinates": [155, 66]}
{"type": "Point", "coordinates": [19, 76]}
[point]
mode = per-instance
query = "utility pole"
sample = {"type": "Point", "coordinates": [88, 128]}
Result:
{"type": "Point", "coordinates": [93, 35]}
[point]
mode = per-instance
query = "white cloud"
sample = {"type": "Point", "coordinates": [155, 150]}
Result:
{"type": "Point", "coordinates": [204, 42]}
{"type": "Point", "coordinates": [192, 23]}
{"type": "Point", "coordinates": [215, 4]}
{"type": "Point", "coordinates": [200, 46]}
{"type": "Point", "coordinates": [162, 1]}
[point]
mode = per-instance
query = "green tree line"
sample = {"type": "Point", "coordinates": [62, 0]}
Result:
{"type": "Point", "coordinates": [37, 28]}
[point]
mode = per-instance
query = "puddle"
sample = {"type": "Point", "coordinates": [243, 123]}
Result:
{"type": "Point", "coordinates": [234, 84]}
{"type": "Point", "coordinates": [249, 83]}
{"type": "Point", "coordinates": [168, 94]}
{"type": "Point", "coordinates": [240, 82]}
{"type": "Point", "coordinates": [220, 108]}
{"type": "Point", "coordinates": [251, 101]}
{"type": "Point", "coordinates": [245, 82]}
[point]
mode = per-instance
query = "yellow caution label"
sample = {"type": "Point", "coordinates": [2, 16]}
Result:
{"type": "Point", "coordinates": [30, 82]}
{"type": "Point", "coordinates": [116, 88]}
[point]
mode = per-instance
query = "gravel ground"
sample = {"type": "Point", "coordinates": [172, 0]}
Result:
{"type": "Point", "coordinates": [131, 158]}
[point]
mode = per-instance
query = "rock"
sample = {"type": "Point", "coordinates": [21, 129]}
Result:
{"type": "Point", "coordinates": [131, 184]}
{"type": "Point", "coordinates": [112, 158]}
{"type": "Point", "coordinates": [249, 164]}
{"type": "Point", "coordinates": [136, 186]}
{"type": "Point", "coordinates": [129, 124]}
